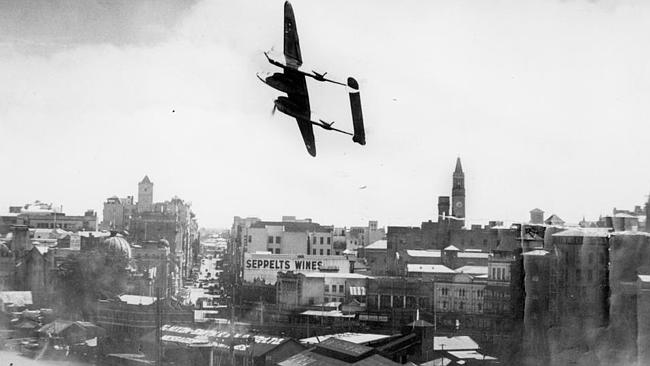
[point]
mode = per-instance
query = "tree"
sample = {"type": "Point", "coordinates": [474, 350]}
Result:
{"type": "Point", "coordinates": [87, 277]}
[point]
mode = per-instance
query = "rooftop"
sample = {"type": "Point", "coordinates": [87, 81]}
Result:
{"type": "Point", "coordinates": [474, 355]}
{"type": "Point", "coordinates": [538, 252]}
{"type": "Point", "coordinates": [473, 270]}
{"type": "Point", "coordinates": [424, 253]}
{"type": "Point", "coordinates": [327, 314]}
{"type": "Point", "coordinates": [334, 275]}
{"type": "Point", "coordinates": [468, 254]}
{"type": "Point", "coordinates": [428, 268]}
{"type": "Point", "coordinates": [356, 338]}
{"type": "Point", "coordinates": [294, 226]}
{"type": "Point", "coordinates": [344, 347]}
{"type": "Point", "coordinates": [137, 299]}
{"type": "Point", "coordinates": [589, 232]}
{"type": "Point", "coordinates": [379, 244]}
{"type": "Point", "coordinates": [458, 343]}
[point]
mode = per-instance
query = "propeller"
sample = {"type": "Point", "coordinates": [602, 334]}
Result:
{"type": "Point", "coordinates": [275, 107]}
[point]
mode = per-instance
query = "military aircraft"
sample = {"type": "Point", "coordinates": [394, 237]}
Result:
{"type": "Point", "coordinates": [292, 81]}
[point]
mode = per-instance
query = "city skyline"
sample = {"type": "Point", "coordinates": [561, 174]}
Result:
{"type": "Point", "coordinates": [176, 98]}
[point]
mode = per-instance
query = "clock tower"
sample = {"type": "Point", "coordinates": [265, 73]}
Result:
{"type": "Point", "coordinates": [458, 192]}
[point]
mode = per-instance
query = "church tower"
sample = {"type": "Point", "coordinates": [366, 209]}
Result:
{"type": "Point", "coordinates": [458, 192]}
{"type": "Point", "coordinates": [145, 195]}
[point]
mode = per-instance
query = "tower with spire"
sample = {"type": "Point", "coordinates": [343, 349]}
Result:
{"type": "Point", "coordinates": [458, 192]}
{"type": "Point", "coordinates": [145, 195]}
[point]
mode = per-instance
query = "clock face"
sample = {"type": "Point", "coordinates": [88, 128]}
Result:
{"type": "Point", "coordinates": [459, 204]}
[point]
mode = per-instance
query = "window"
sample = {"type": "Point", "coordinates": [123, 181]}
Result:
{"type": "Point", "coordinates": [326, 299]}
{"type": "Point", "coordinates": [445, 291]}
{"type": "Point", "coordinates": [313, 251]}
{"type": "Point", "coordinates": [578, 275]}
{"type": "Point", "coordinates": [485, 242]}
{"type": "Point", "coordinates": [327, 288]}
{"type": "Point", "coordinates": [342, 288]}
{"type": "Point", "coordinates": [269, 240]}
{"type": "Point", "coordinates": [250, 238]}
{"type": "Point", "coordinates": [461, 305]}
{"type": "Point", "coordinates": [321, 240]}
{"type": "Point", "coordinates": [590, 275]}
{"type": "Point", "coordinates": [479, 307]}
{"type": "Point", "coordinates": [321, 252]}
{"type": "Point", "coordinates": [277, 251]}
{"type": "Point", "coordinates": [328, 252]}
{"type": "Point", "coordinates": [329, 240]}
{"type": "Point", "coordinates": [444, 304]}
{"type": "Point", "coordinates": [278, 239]}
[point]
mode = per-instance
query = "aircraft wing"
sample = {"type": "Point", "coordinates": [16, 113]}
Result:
{"type": "Point", "coordinates": [291, 43]}
{"type": "Point", "coordinates": [307, 131]}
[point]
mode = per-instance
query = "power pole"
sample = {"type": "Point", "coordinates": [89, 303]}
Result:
{"type": "Point", "coordinates": [159, 347]}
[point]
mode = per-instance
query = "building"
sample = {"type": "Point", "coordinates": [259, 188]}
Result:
{"type": "Point", "coordinates": [265, 266]}
{"type": "Point", "coordinates": [39, 215]}
{"type": "Point", "coordinates": [129, 317]}
{"type": "Point", "coordinates": [149, 221]}
{"type": "Point", "coordinates": [7, 268]}
{"type": "Point", "coordinates": [362, 236]}
{"type": "Point", "coordinates": [458, 194]}
{"type": "Point", "coordinates": [582, 283]}
{"type": "Point", "coordinates": [537, 265]}
{"type": "Point", "coordinates": [299, 290]}
{"type": "Point", "coordinates": [375, 258]}
{"type": "Point", "coordinates": [117, 213]}
{"type": "Point", "coordinates": [629, 261]}
{"type": "Point", "coordinates": [290, 237]}
{"type": "Point", "coordinates": [643, 319]}
{"type": "Point", "coordinates": [145, 195]}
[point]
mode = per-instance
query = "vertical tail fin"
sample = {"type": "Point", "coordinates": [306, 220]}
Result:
{"type": "Point", "coordinates": [357, 116]}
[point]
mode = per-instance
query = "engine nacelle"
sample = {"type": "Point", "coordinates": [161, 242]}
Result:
{"type": "Point", "coordinates": [281, 82]}
{"type": "Point", "coordinates": [289, 107]}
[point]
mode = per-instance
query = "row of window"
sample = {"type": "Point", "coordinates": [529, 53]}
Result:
{"type": "Point", "coordinates": [340, 287]}
{"type": "Point", "coordinates": [460, 292]}
{"type": "Point", "coordinates": [322, 240]}
{"type": "Point", "coordinates": [573, 257]}
{"type": "Point", "coordinates": [321, 252]}
{"type": "Point", "coordinates": [278, 240]}
{"type": "Point", "coordinates": [461, 306]}
{"type": "Point", "coordinates": [499, 274]}
{"type": "Point", "coordinates": [51, 225]}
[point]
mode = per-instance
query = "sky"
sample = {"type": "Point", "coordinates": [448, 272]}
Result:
{"type": "Point", "coordinates": [546, 103]}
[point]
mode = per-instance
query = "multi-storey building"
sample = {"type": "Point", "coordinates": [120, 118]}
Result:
{"type": "Point", "coordinates": [39, 215]}
{"type": "Point", "coordinates": [296, 290]}
{"type": "Point", "coordinates": [289, 237]}
{"type": "Point", "coordinates": [117, 213]}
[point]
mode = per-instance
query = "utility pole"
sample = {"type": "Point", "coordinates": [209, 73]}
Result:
{"type": "Point", "coordinates": [159, 346]}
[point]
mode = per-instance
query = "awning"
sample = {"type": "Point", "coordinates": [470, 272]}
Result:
{"type": "Point", "coordinates": [358, 291]}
